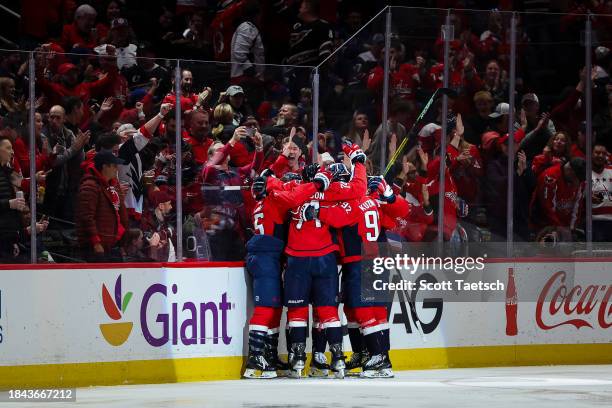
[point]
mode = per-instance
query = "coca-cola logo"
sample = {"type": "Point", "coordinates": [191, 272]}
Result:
{"type": "Point", "coordinates": [573, 306]}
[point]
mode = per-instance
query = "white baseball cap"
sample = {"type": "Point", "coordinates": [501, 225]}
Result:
{"type": "Point", "coordinates": [234, 90]}
{"type": "Point", "coordinates": [500, 110]}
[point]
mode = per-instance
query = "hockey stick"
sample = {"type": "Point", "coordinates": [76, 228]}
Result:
{"type": "Point", "coordinates": [415, 316]}
{"type": "Point", "coordinates": [225, 188]}
{"type": "Point", "coordinates": [417, 123]}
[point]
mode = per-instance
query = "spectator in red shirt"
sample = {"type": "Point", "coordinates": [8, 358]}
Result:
{"type": "Point", "coordinates": [465, 165]}
{"type": "Point", "coordinates": [577, 149]}
{"type": "Point", "coordinates": [40, 19]}
{"type": "Point", "coordinates": [226, 211]}
{"type": "Point", "coordinates": [69, 84]}
{"type": "Point", "coordinates": [198, 136]}
{"type": "Point", "coordinates": [223, 25]}
{"type": "Point", "coordinates": [22, 151]}
{"type": "Point", "coordinates": [557, 151]}
{"type": "Point", "coordinates": [558, 198]}
{"type": "Point", "coordinates": [414, 187]}
{"type": "Point", "coordinates": [189, 99]}
{"type": "Point", "coordinates": [462, 78]}
{"type": "Point", "coordinates": [81, 32]}
{"type": "Point", "coordinates": [404, 78]}
{"type": "Point", "coordinates": [290, 160]}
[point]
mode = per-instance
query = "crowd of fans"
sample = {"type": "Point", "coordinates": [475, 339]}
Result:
{"type": "Point", "coordinates": [105, 124]}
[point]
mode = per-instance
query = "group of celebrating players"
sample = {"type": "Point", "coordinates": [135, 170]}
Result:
{"type": "Point", "coordinates": [305, 226]}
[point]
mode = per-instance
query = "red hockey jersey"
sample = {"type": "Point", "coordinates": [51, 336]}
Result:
{"type": "Point", "coordinates": [313, 238]}
{"type": "Point", "coordinates": [270, 213]}
{"type": "Point", "coordinates": [361, 222]}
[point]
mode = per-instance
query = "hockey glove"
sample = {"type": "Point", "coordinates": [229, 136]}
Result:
{"type": "Point", "coordinates": [322, 179]}
{"type": "Point", "coordinates": [354, 152]}
{"type": "Point", "coordinates": [309, 172]}
{"type": "Point", "coordinates": [385, 192]}
{"type": "Point", "coordinates": [258, 189]}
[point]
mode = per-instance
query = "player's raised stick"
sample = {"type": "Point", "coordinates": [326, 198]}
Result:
{"type": "Point", "coordinates": [417, 124]}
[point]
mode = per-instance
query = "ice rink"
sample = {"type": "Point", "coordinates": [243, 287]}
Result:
{"type": "Point", "coordinates": [558, 386]}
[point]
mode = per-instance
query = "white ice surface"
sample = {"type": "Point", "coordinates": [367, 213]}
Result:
{"type": "Point", "coordinates": [513, 387]}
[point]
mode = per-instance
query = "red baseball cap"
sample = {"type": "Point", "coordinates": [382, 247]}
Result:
{"type": "Point", "coordinates": [518, 137]}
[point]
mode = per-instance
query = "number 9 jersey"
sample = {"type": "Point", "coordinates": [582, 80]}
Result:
{"type": "Point", "coordinates": [361, 222]}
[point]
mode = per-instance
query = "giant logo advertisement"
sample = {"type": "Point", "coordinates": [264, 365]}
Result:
{"type": "Point", "coordinates": [187, 322]}
{"type": "Point", "coordinates": [116, 333]}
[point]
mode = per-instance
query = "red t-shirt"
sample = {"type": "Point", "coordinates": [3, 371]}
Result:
{"type": "Point", "coordinates": [401, 84]}
{"type": "Point", "coordinates": [187, 101]}
{"type": "Point", "coordinates": [72, 37]}
{"type": "Point", "coordinates": [199, 148]}
{"type": "Point", "coordinates": [105, 87]}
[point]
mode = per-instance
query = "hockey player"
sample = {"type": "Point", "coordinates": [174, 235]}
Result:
{"type": "Point", "coordinates": [311, 266]}
{"type": "Point", "coordinates": [264, 250]}
{"type": "Point", "coordinates": [360, 227]}
{"type": "Point", "coordinates": [319, 366]}
{"type": "Point", "coordinates": [393, 206]}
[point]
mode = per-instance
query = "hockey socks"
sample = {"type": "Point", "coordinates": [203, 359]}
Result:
{"type": "Point", "coordinates": [297, 322]}
{"type": "Point", "coordinates": [319, 340]}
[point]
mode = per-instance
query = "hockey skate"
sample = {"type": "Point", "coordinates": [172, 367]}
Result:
{"type": "Point", "coordinates": [357, 360]}
{"type": "Point", "coordinates": [297, 360]}
{"type": "Point", "coordinates": [378, 366]}
{"type": "Point", "coordinates": [282, 368]}
{"type": "Point", "coordinates": [318, 366]}
{"type": "Point", "coordinates": [258, 367]}
{"type": "Point", "coordinates": [338, 366]}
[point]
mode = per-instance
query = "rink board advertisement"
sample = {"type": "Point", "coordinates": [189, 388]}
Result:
{"type": "Point", "coordinates": [156, 323]}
